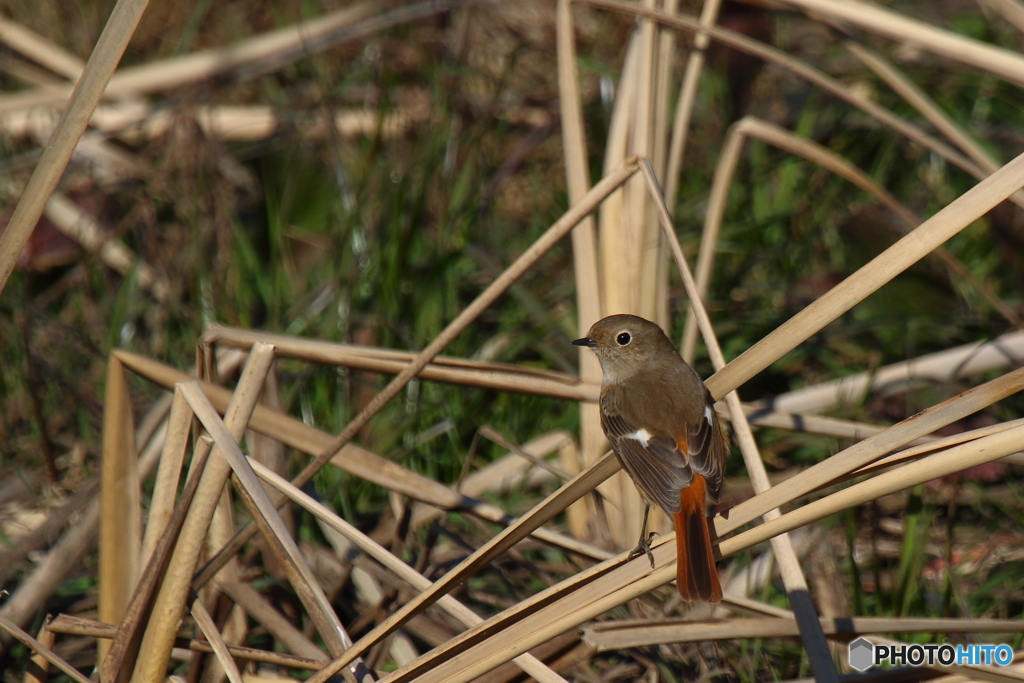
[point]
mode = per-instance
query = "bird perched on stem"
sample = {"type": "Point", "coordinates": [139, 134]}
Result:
{"type": "Point", "coordinates": [661, 422]}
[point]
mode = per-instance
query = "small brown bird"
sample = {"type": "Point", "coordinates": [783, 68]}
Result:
{"type": "Point", "coordinates": [661, 422]}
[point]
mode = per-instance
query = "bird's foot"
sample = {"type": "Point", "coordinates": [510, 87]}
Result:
{"type": "Point", "coordinates": [643, 547]}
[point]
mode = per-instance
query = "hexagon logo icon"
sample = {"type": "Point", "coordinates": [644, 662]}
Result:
{"type": "Point", "coordinates": [862, 654]}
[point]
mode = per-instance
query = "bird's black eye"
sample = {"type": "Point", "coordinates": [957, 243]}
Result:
{"type": "Point", "coordinates": [623, 338]}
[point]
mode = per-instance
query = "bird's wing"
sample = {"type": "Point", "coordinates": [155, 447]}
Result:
{"type": "Point", "coordinates": [654, 462]}
{"type": "Point", "coordinates": [708, 448]}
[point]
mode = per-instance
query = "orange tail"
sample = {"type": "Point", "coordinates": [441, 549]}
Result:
{"type": "Point", "coordinates": [697, 577]}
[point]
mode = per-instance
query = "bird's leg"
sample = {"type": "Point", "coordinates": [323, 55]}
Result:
{"type": "Point", "coordinates": [643, 546]}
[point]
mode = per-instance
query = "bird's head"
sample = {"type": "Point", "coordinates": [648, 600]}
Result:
{"type": "Point", "coordinates": [625, 344]}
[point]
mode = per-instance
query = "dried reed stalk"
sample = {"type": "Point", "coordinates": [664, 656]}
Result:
{"type": "Point", "coordinates": [584, 242]}
{"type": "Point", "coordinates": [955, 459]}
{"type": "Point", "coordinates": [137, 121]}
{"type": "Point", "coordinates": [763, 51]}
{"type": "Point", "coordinates": [940, 367]}
{"type": "Point", "coordinates": [883, 22]}
{"type": "Point", "coordinates": [220, 649]}
{"type": "Point", "coordinates": [352, 459]}
{"type": "Point", "coordinates": [121, 657]}
{"type": "Point", "coordinates": [612, 635]}
{"type": "Point", "coordinates": [952, 219]}
{"type": "Point", "coordinates": [687, 98]}
{"type": "Point", "coordinates": [631, 580]}
{"type": "Point", "coordinates": [1010, 10]}
{"type": "Point", "coordinates": [39, 49]}
{"type": "Point", "coordinates": [83, 99]}
{"type": "Point", "coordinates": [178, 71]}
{"type": "Point", "coordinates": [120, 505]}
{"type": "Point", "coordinates": [34, 590]}
{"type": "Point", "coordinates": [748, 127]}
{"type": "Point", "coordinates": [41, 649]}
{"type": "Point", "coordinates": [460, 612]}
{"type": "Point", "coordinates": [263, 510]}
{"type": "Point", "coordinates": [540, 514]}
{"type": "Point", "coordinates": [79, 626]}
{"type": "Point", "coordinates": [789, 565]}
{"type": "Point", "coordinates": [38, 666]}
{"type": "Point", "coordinates": [874, 447]}
{"type": "Point", "coordinates": [170, 600]}
{"type": "Point", "coordinates": [165, 489]}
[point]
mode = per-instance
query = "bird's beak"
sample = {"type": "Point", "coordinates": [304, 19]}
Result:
{"type": "Point", "coordinates": [586, 341]}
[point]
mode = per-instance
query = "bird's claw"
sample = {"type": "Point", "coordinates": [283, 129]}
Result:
{"type": "Point", "coordinates": [643, 547]}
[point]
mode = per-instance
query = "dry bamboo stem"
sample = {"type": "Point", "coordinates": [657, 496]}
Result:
{"type": "Point", "coordinates": [73, 122]}
{"type": "Point", "coordinates": [789, 565]}
{"type": "Point", "coordinates": [162, 629]}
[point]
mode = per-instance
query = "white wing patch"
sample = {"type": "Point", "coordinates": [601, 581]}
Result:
{"type": "Point", "coordinates": [708, 415]}
{"type": "Point", "coordinates": [641, 435]}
